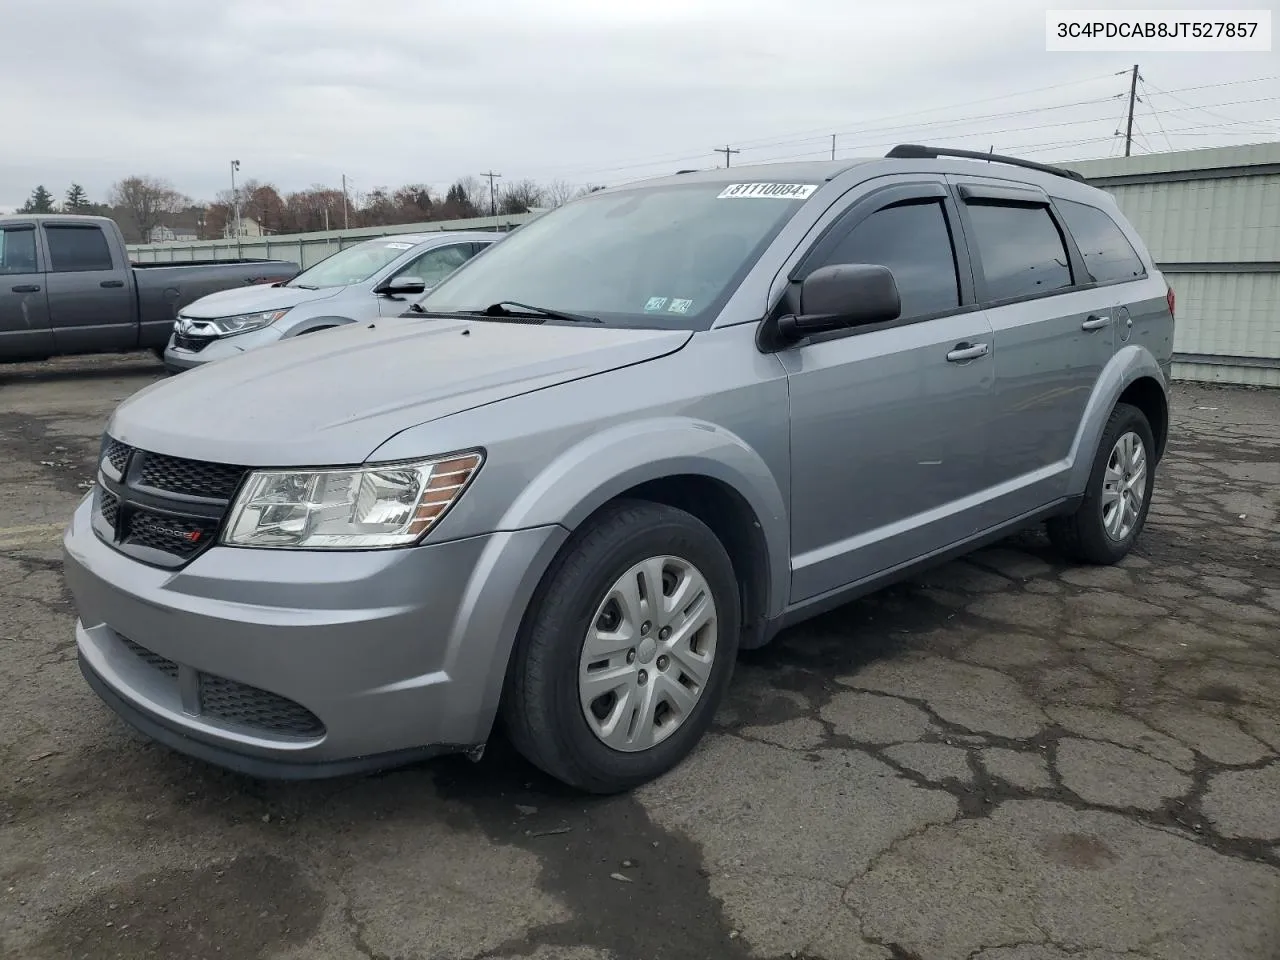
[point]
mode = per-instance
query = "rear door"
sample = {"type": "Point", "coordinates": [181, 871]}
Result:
{"type": "Point", "coordinates": [92, 305]}
{"type": "Point", "coordinates": [1053, 330]}
{"type": "Point", "coordinates": [889, 422]}
{"type": "Point", "coordinates": [24, 313]}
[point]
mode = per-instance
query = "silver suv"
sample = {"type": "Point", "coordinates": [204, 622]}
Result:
{"type": "Point", "coordinates": [646, 431]}
{"type": "Point", "coordinates": [383, 277]}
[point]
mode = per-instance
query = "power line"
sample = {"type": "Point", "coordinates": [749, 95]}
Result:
{"type": "Point", "coordinates": [1160, 123]}
{"type": "Point", "coordinates": [726, 151]}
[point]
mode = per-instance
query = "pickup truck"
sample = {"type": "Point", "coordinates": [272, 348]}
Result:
{"type": "Point", "coordinates": [67, 286]}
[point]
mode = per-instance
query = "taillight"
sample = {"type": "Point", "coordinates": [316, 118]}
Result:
{"type": "Point", "coordinates": [1170, 297]}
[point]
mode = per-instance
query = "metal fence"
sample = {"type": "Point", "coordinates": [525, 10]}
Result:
{"type": "Point", "coordinates": [1212, 220]}
{"type": "Point", "coordinates": [305, 249]}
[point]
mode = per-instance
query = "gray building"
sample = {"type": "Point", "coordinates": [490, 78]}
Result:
{"type": "Point", "coordinates": [1212, 220]}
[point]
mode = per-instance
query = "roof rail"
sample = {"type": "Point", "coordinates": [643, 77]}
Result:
{"type": "Point", "coordinates": [913, 151]}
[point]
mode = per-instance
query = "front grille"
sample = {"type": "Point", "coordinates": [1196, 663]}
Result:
{"type": "Point", "coordinates": [174, 535]}
{"type": "Point", "coordinates": [194, 344]}
{"type": "Point", "coordinates": [192, 478]}
{"type": "Point", "coordinates": [151, 659]}
{"type": "Point", "coordinates": [117, 454]}
{"type": "Point", "coordinates": [243, 705]}
{"type": "Point", "coordinates": [160, 509]}
{"type": "Point", "coordinates": [109, 507]}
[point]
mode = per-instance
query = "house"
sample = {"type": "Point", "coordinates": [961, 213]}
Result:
{"type": "Point", "coordinates": [164, 234]}
{"type": "Point", "coordinates": [248, 228]}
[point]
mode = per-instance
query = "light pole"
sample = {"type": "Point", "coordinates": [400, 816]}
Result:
{"type": "Point", "coordinates": [235, 197]}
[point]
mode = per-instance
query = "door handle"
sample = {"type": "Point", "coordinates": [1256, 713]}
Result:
{"type": "Point", "coordinates": [111, 283]}
{"type": "Point", "coordinates": [967, 351]}
{"type": "Point", "coordinates": [1095, 322]}
{"type": "Point", "coordinates": [27, 288]}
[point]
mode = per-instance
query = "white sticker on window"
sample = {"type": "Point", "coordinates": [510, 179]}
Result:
{"type": "Point", "coordinates": [399, 246]}
{"type": "Point", "coordinates": [768, 191]}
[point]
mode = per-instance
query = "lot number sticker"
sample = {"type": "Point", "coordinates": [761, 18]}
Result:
{"type": "Point", "coordinates": [768, 191]}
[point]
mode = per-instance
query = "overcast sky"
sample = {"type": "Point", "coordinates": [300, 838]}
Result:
{"type": "Point", "coordinates": [599, 91]}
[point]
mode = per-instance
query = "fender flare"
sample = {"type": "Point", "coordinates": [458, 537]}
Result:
{"type": "Point", "coordinates": [1130, 363]}
{"type": "Point", "coordinates": [605, 465]}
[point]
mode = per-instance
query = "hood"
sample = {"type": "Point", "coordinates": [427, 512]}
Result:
{"type": "Point", "coordinates": [253, 299]}
{"type": "Point", "coordinates": [335, 397]}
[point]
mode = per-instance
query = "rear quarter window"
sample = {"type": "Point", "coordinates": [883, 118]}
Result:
{"type": "Point", "coordinates": [1108, 254]}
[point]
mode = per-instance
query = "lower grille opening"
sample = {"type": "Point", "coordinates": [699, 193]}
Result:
{"type": "Point", "coordinates": [151, 659]}
{"type": "Point", "coordinates": [239, 704]}
{"type": "Point", "coordinates": [243, 705]}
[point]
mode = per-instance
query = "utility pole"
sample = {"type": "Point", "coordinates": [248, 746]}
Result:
{"type": "Point", "coordinates": [833, 146]}
{"type": "Point", "coordinates": [346, 220]}
{"type": "Point", "coordinates": [493, 196]}
{"type": "Point", "coordinates": [726, 151]}
{"type": "Point", "coordinates": [1133, 97]}
{"type": "Point", "coordinates": [235, 197]}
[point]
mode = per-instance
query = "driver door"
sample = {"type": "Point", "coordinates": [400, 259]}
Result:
{"type": "Point", "coordinates": [889, 421]}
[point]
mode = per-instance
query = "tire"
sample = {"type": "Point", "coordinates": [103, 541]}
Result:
{"type": "Point", "coordinates": [1084, 536]}
{"type": "Point", "coordinates": [545, 709]}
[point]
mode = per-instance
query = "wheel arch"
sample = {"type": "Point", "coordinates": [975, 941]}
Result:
{"type": "Point", "coordinates": [694, 466]}
{"type": "Point", "coordinates": [1132, 376]}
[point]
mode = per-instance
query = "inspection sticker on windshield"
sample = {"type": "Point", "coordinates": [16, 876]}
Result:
{"type": "Point", "coordinates": [768, 191]}
{"type": "Point", "coordinates": [398, 246]}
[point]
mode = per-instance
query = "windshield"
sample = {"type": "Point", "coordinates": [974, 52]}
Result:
{"type": "Point", "coordinates": [353, 265]}
{"type": "Point", "coordinates": [665, 257]}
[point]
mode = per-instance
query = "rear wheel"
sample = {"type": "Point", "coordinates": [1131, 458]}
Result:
{"type": "Point", "coordinates": [1105, 526]}
{"type": "Point", "coordinates": [626, 651]}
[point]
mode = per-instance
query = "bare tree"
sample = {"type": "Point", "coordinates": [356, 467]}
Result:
{"type": "Point", "coordinates": [557, 193]}
{"type": "Point", "coordinates": [520, 197]}
{"type": "Point", "coordinates": [146, 200]}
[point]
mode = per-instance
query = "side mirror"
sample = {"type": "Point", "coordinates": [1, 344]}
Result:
{"type": "Point", "coordinates": [843, 295]}
{"type": "Point", "coordinates": [402, 285]}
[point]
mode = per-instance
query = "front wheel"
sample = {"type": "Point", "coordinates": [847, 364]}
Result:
{"type": "Point", "coordinates": [626, 651]}
{"type": "Point", "coordinates": [1105, 526]}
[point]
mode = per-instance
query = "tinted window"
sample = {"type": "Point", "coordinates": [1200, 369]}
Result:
{"type": "Point", "coordinates": [73, 249]}
{"type": "Point", "coordinates": [1107, 253]}
{"type": "Point", "coordinates": [18, 250]}
{"type": "Point", "coordinates": [913, 241]}
{"type": "Point", "coordinates": [1022, 251]}
{"type": "Point", "coordinates": [434, 265]}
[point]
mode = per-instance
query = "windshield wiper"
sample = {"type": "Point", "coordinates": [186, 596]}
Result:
{"type": "Point", "coordinates": [499, 309]}
{"type": "Point", "coordinates": [303, 286]}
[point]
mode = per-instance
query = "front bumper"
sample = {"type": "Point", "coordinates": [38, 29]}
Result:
{"type": "Point", "coordinates": [304, 664]}
{"type": "Point", "coordinates": [177, 359]}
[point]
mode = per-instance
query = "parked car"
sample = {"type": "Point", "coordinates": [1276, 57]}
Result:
{"type": "Point", "coordinates": [376, 278]}
{"type": "Point", "coordinates": [648, 430]}
{"type": "Point", "coordinates": [67, 286]}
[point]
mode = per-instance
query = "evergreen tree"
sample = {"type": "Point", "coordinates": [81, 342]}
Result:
{"type": "Point", "coordinates": [41, 201]}
{"type": "Point", "coordinates": [77, 200]}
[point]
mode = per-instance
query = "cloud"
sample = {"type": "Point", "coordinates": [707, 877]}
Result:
{"type": "Point", "coordinates": [395, 91]}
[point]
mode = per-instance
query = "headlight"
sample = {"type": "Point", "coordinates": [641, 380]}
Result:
{"type": "Point", "coordinates": [381, 505]}
{"type": "Point", "coordinates": [243, 323]}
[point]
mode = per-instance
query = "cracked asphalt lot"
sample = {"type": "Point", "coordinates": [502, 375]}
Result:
{"type": "Point", "coordinates": [1004, 759]}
